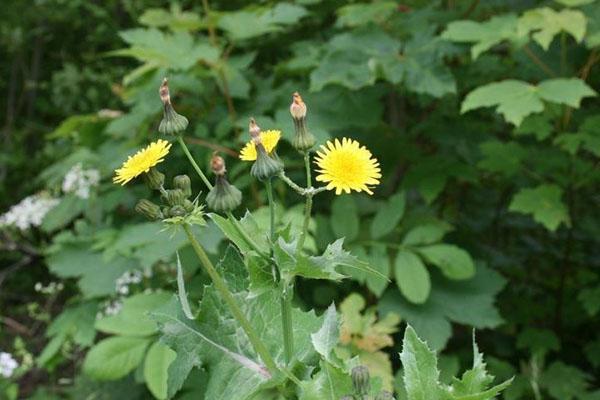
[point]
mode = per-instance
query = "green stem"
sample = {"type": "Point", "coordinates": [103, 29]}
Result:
{"type": "Point", "coordinates": [300, 190]}
{"type": "Point", "coordinates": [271, 210]}
{"type": "Point", "coordinates": [308, 206]}
{"type": "Point", "coordinates": [193, 162]}
{"type": "Point", "coordinates": [233, 220]}
{"type": "Point", "coordinates": [285, 300]}
{"type": "Point", "coordinates": [220, 285]}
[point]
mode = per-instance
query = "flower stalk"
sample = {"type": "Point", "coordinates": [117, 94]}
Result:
{"type": "Point", "coordinates": [220, 285]}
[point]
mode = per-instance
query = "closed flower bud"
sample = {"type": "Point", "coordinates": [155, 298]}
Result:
{"type": "Point", "coordinates": [177, 211]}
{"type": "Point", "coordinates": [188, 205]}
{"type": "Point", "coordinates": [384, 395]}
{"type": "Point", "coordinates": [361, 379]}
{"type": "Point", "coordinates": [303, 139]}
{"type": "Point", "coordinates": [175, 197]}
{"type": "Point", "coordinates": [155, 179]}
{"type": "Point", "coordinates": [265, 166]}
{"type": "Point", "coordinates": [149, 209]}
{"type": "Point", "coordinates": [183, 183]}
{"type": "Point", "coordinates": [172, 123]}
{"type": "Point", "coordinates": [223, 197]}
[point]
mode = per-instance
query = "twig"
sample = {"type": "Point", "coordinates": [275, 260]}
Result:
{"type": "Point", "coordinates": [536, 60]}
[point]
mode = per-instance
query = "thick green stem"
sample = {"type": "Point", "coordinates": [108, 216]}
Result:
{"type": "Point", "coordinates": [286, 294]}
{"type": "Point", "coordinates": [193, 162]}
{"type": "Point", "coordinates": [220, 285]}
{"type": "Point", "coordinates": [300, 190]}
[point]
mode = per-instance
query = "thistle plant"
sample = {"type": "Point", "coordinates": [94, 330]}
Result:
{"type": "Point", "coordinates": [246, 328]}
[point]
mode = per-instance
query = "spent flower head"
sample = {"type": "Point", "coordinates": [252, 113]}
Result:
{"type": "Point", "coordinates": [346, 166]}
{"type": "Point", "coordinates": [142, 161]}
{"type": "Point", "coordinates": [172, 123]}
{"type": "Point", "coordinates": [303, 139]}
{"type": "Point", "coordinates": [223, 196]}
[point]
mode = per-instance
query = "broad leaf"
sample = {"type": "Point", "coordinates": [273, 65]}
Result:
{"type": "Point", "coordinates": [115, 357]}
{"type": "Point", "coordinates": [344, 218]}
{"type": "Point", "coordinates": [388, 216]}
{"type": "Point", "coordinates": [545, 23]}
{"type": "Point", "coordinates": [156, 367]}
{"type": "Point", "coordinates": [412, 277]}
{"type": "Point", "coordinates": [453, 261]}
{"type": "Point", "coordinates": [544, 204]}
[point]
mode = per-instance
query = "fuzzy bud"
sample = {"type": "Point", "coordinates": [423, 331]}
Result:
{"type": "Point", "coordinates": [361, 380]}
{"type": "Point", "coordinates": [172, 123]}
{"type": "Point", "coordinates": [177, 211]}
{"type": "Point", "coordinates": [155, 179]}
{"type": "Point", "coordinates": [265, 166]}
{"type": "Point", "coordinates": [183, 183]}
{"type": "Point", "coordinates": [148, 209]}
{"type": "Point", "coordinates": [217, 165]}
{"type": "Point", "coordinates": [384, 395]}
{"type": "Point", "coordinates": [175, 197]}
{"type": "Point", "coordinates": [223, 197]}
{"type": "Point", "coordinates": [303, 139]}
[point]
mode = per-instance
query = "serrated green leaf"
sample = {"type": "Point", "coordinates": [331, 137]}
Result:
{"type": "Point", "coordinates": [543, 203]}
{"type": "Point", "coordinates": [537, 125]}
{"type": "Point", "coordinates": [388, 216]}
{"type": "Point", "coordinates": [156, 367]}
{"type": "Point", "coordinates": [484, 35]}
{"type": "Point", "coordinates": [421, 376]}
{"type": "Point", "coordinates": [516, 100]}
{"type": "Point", "coordinates": [412, 277]}
{"type": "Point", "coordinates": [545, 23]}
{"type": "Point", "coordinates": [326, 338]}
{"type": "Point", "coordinates": [329, 383]}
{"type": "Point", "coordinates": [115, 357]}
{"type": "Point", "coordinates": [453, 261]}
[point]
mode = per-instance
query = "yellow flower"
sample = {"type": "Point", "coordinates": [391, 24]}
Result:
{"type": "Point", "coordinates": [269, 139]}
{"type": "Point", "coordinates": [142, 161]}
{"type": "Point", "coordinates": [347, 166]}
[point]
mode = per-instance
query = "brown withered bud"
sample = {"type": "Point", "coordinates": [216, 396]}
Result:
{"type": "Point", "coordinates": [217, 165]}
{"type": "Point", "coordinates": [297, 108]}
{"type": "Point", "coordinates": [254, 131]}
{"type": "Point", "coordinates": [163, 91]}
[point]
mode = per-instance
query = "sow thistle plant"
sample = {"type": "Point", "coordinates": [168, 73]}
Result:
{"type": "Point", "coordinates": [246, 335]}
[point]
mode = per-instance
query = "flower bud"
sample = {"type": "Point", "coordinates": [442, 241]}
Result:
{"type": "Point", "coordinates": [188, 205]}
{"type": "Point", "coordinates": [175, 197]}
{"type": "Point", "coordinates": [217, 165]}
{"type": "Point", "coordinates": [265, 167]}
{"type": "Point", "coordinates": [223, 196]}
{"type": "Point", "coordinates": [183, 183]}
{"type": "Point", "coordinates": [155, 179]}
{"type": "Point", "coordinates": [172, 123]}
{"type": "Point", "coordinates": [177, 211]}
{"type": "Point", "coordinates": [149, 209]}
{"type": "Point", "coordinates": [384, 395]}
{"type": "Point", "coordinates": [303, 139]}
{"type": "Point", "coordinates": [360, 380]}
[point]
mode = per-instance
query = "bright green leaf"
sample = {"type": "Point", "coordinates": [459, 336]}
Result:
{"type": "Point", "coordinates": [156, 365]}
{"type": "Point", "coordinates": [544, 204]}
{"type": "Point", "coordinates": [453, 261]}
{"type": "Point", "coordinates": [412, 277]}
{"type": "Point", "coordinates": [115, 357]}
{"type": "Point", "coordinates": [388, 216]}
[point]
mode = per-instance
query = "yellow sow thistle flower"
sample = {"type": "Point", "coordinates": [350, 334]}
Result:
{"type": "Point", "coordinates": [142, 161]}
{"type": "Point", "coordinates": [269, 140]}
{"type": "Point", "coordinates": [346, 166]}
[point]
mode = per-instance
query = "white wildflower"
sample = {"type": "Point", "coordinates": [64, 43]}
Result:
{"type": "Point", "coordinates": [7, 364]}
{"type": "Point", "coordinates": [29, 212]}
{"type": "Point", "coordinates": [80, 181]}
{"type": "Point", "coordinates": [128, 278]}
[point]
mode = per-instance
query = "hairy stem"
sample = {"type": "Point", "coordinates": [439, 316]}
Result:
{"type": "Point", "coordinates": [308, 205]}
{"type": "Point", "coordinates": [220, 285]}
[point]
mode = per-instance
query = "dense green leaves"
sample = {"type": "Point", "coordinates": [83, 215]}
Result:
{"type": "Point", "coordinates": [388, 216]}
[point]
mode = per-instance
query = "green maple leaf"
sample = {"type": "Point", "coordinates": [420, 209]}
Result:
{"type": "Point", "coordinates": [545, 23]}
{"type": "Point", "coordinates": [515, 100]}
{"type": "Point", "coordinates": [544, 204]}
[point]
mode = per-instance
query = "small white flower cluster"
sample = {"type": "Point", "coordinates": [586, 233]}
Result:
{"type": "Point", "coordinates": [28, 212]}
{"type": "Point", "coordinates": [53, 287]}
{"type": "Point", "coordinates": [7, 364]}
{"type": "Point", "coordinates": [80, 181]}
{"type": "Point", "coordinates": [128, 278]}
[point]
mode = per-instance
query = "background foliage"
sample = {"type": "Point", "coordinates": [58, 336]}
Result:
{"type": "Point", "coordinates": [483, 114]}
